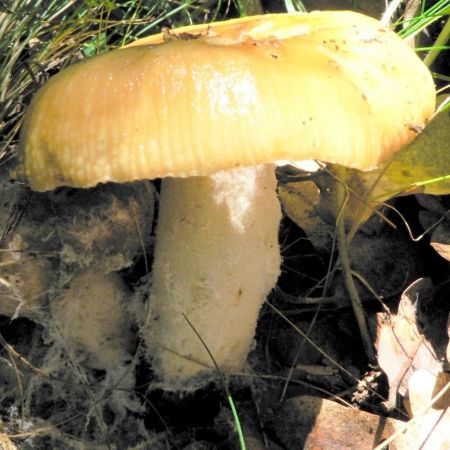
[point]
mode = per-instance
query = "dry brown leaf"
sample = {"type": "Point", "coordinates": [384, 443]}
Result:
{"type": "Point", "coordinates": [312, 423]}
{"type": "Point", "coordinates": [401, 346]}
{"type": "Point", "coordinates": [387, 262]}
{"type": "Point", "coordinates": [440, 240]}
{"type": "Point", "coordinates": [429, 428]}
{"type": "Point", "coordinates": [299, 201]}
{"type": "Point", "coordinates": [436, 218]}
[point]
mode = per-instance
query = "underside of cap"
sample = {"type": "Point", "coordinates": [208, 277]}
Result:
{"type": "Point", "coordinates": [331, 86]}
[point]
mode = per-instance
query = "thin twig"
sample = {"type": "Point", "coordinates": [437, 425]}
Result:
{"type": "Point", "coordinates": [341, 198]}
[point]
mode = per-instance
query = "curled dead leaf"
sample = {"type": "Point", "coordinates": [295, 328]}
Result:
{"type": "Point", "coordinates": [401, 345]}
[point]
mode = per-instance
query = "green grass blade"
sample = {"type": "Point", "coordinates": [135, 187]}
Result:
{"type": "Point", "coordinates": [237, 423]}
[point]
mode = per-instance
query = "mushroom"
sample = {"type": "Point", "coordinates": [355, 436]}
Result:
{"type": "Point", "coordinates": [90, 320]}
{"type": "Point", "coordinates": [211, 109]}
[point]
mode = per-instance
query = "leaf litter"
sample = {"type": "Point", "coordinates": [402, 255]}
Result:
{"type": "Point", "coordinates": [412, 341]}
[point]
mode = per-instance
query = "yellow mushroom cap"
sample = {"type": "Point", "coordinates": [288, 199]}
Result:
{"type": "Point", "coordinates": [332, 86]}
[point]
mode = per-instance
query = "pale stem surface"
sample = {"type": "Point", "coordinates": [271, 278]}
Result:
{"type": "Point", "coordinates": [216, 259]}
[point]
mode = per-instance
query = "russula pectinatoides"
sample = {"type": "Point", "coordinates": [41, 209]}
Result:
{"type": "Point", "coordinates": [211, 109]}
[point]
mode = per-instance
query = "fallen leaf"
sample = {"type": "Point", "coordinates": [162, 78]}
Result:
{"type": "Point", "coordinates": [388, 263]}
{"type": "Point", "coordinates": [299, 201]}
{"type": "Point", "coordinates": [312, 423]}
{"type": "Point", "coordinates": [430, 425]}
{"type": "Point", "coordinates": [435, 218]}
{"type": "Point", "coordinates": [401, 346]}
{"type": "Point", "coordinates": [422, 166]}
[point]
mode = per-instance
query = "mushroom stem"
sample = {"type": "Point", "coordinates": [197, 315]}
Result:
{"type": "Point", "coordinates": [216, 259]}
